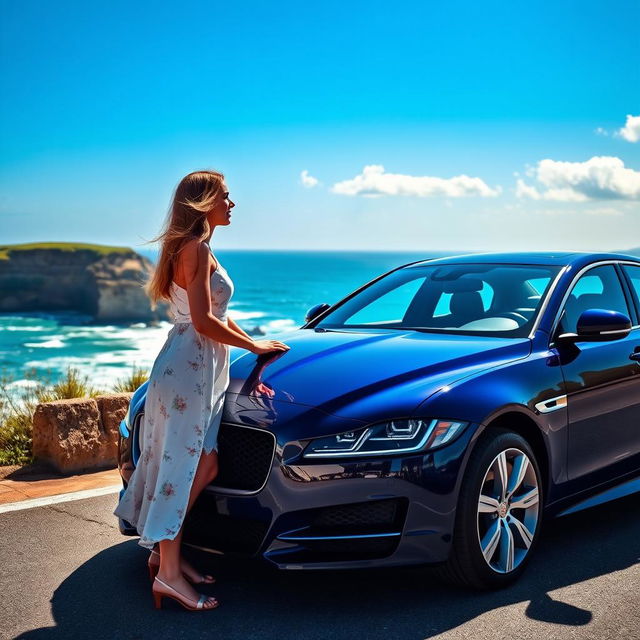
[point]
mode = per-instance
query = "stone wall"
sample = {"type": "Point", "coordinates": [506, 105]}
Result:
{"type": "Point", "coordinates": [79, 434]}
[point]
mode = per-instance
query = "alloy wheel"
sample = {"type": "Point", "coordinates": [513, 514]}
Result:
{"type": "Point", "coordinates": [508, 510]}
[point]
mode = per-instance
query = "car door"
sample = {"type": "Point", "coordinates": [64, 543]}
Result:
{"type": "Point", "coordinates": [602, 382]}
{"type": "Point", "coordinates": [632, 274]}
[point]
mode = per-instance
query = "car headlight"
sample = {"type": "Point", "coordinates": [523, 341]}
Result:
{"type": "Point", "coordinates": [395, 436]}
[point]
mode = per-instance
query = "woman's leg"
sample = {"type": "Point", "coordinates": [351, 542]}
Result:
{"type": "Point", "coordinates": [205, 474]}
{"type": "Point", "coordinates": [170, 560]}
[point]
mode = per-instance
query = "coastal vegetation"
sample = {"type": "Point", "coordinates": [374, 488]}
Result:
{"type": "Point", "coordinates": [131, 382]}
{"type": "Point", "coordinates": [18, 404]}
{"type": "Point", "coordinates": [100, 249]}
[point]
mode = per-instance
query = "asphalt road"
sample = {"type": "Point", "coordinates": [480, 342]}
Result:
{"type": "Point", "coordinates": [66, 572]}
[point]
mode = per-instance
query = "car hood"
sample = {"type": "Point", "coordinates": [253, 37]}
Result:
{"type": "Point", "coordinates": [359, 375]}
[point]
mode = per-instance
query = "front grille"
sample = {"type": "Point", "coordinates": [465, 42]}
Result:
{"type": "Point", "coordinates": [245, 455]}
{"type": "Point", "coordinates": [377, 512]}
{"type": "Point", "coordinates": [356, 531]}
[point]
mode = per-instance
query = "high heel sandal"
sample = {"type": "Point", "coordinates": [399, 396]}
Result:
{"type": "Point", "coordinates": [154, 566]}
{"type": "Point", "coordinates": [159, 593]}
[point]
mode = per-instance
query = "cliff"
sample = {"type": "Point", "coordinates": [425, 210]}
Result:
{"type": "Point", "coordinates": [101, 281]}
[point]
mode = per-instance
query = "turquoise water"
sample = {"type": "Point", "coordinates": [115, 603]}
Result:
{"type": "Point", "coordinates": [273, 291]}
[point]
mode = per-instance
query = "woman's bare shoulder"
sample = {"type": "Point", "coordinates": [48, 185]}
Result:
{"type": "Point", "coordinates": [195, 254]}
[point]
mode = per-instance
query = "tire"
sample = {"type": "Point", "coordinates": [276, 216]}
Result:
{"type": "Point", "coordinates": [505, 523]}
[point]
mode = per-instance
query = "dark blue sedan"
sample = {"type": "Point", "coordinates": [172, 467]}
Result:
{"type": "Point", "coordinates": [432, 416]}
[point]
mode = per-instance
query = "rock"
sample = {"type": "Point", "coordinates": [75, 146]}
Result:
{"type": "Point", "coordinates": [106, 283]}
{"type": "Point", "coordinates": [257, 331]}
{"type": "Point", "coordinates": [79, 434]}
{"type": "Point", "coordinates": [68, 434]}
{"type": "Point", "coordinates": [113, 408]}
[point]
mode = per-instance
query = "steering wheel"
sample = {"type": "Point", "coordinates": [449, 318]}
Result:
{"type": "Point", "coordinates": [512, 315]}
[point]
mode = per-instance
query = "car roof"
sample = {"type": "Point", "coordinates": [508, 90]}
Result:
{"type": "Point", "coordinates": [558, 258]}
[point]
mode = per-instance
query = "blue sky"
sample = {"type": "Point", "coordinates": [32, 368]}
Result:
{"type": "Point", "coordinates": [105, 106]}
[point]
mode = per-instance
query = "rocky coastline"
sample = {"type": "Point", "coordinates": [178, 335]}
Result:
{"type": "Point", "coordinates": [103, 282]}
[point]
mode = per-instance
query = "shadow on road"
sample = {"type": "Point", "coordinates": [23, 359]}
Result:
{"type": "Point", "coordinates": [109, 596]}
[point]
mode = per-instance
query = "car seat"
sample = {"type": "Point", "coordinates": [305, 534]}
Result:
{"type": "Point", "coordinates": [465, 306]}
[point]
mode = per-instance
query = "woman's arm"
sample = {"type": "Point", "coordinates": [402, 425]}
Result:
{"type": "Point", "coordinates": [237, 329]}
{"type": "Point", "coordinates": [196, 264]}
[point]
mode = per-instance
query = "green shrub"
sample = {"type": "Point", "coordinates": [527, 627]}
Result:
{"type": "Point", "coordinates": [73, 385]}
{"type": "Point", "coordinates": [16, 417]}
{"type": "Point", "coordinates": [16, 438]}
{"type": "Point", "coordinates": [131, 382]}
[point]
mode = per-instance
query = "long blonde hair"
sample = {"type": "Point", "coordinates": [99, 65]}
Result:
{"type": "Point", "coordinates": [193, 198]}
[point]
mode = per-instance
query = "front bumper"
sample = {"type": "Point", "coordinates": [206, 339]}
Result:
{"type": "Point", "coordinates": [321, 514]}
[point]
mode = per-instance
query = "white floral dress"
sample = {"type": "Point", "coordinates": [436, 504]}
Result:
{"type": "Point", "coordinates": [183, 408]}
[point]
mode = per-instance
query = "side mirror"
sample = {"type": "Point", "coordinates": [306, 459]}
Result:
{"type": "Point", "coordinates": [314, 312]}
{"type": "Point", "coordinates": [599, 325]}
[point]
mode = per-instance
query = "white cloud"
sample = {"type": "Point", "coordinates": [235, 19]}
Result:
{"type": "Point", "coordinates": [373, 181]}
{"type": "Point", "coordinates": [600, 178]}
{"type": "Point", "coordinates": [523, 190]}
{"type": "Point", "coordinates": [600, 131]}
{"type": "Point", "coordinates": [631, 130]}
{"type": "Point", "coordinates": [308, 180]}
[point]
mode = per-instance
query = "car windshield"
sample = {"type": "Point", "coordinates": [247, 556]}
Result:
{"type": "Point", "coordinates": [485, 299]}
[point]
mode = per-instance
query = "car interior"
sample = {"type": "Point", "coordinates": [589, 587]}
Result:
{"type": "Point", "coordinates": [481, 298]}
{"type": "Point", "coordinates": [497, 300]}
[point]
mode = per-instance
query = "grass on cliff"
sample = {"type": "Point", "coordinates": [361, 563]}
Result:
{"type": "Point", "coordinates": [102, 249]}
{"type": "Point", "coordinates": [18, 406]}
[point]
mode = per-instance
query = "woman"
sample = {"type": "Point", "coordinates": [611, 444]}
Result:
{"type": "Point", "coordinates": [187, 383]}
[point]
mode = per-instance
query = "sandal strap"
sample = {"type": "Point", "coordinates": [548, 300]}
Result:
{"type": "Point", "coordinates": [201, 600]}
{"type": "Point", "coordinates": [168, 586]}
{"type": "Point", "coordinates": [164, 584]}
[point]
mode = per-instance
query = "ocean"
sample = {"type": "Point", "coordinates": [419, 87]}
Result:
{"type": "Point", "coordinates": [273, 291]}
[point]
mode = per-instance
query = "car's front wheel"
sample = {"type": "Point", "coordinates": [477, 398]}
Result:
{"type": "Point", "coordinates": [499, 513]}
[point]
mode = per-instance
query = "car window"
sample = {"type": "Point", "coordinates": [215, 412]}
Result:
{"type": "Point", "coordinates": [634, 276]}
{"type": "Point", "coordinates": [598, 288]}
{"type": "Point", "coordinates": [474, 298]}
{"type": "Point", "coordinates": [538, 285]}
{"type": "Point", "coordinates": [388, 307]}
